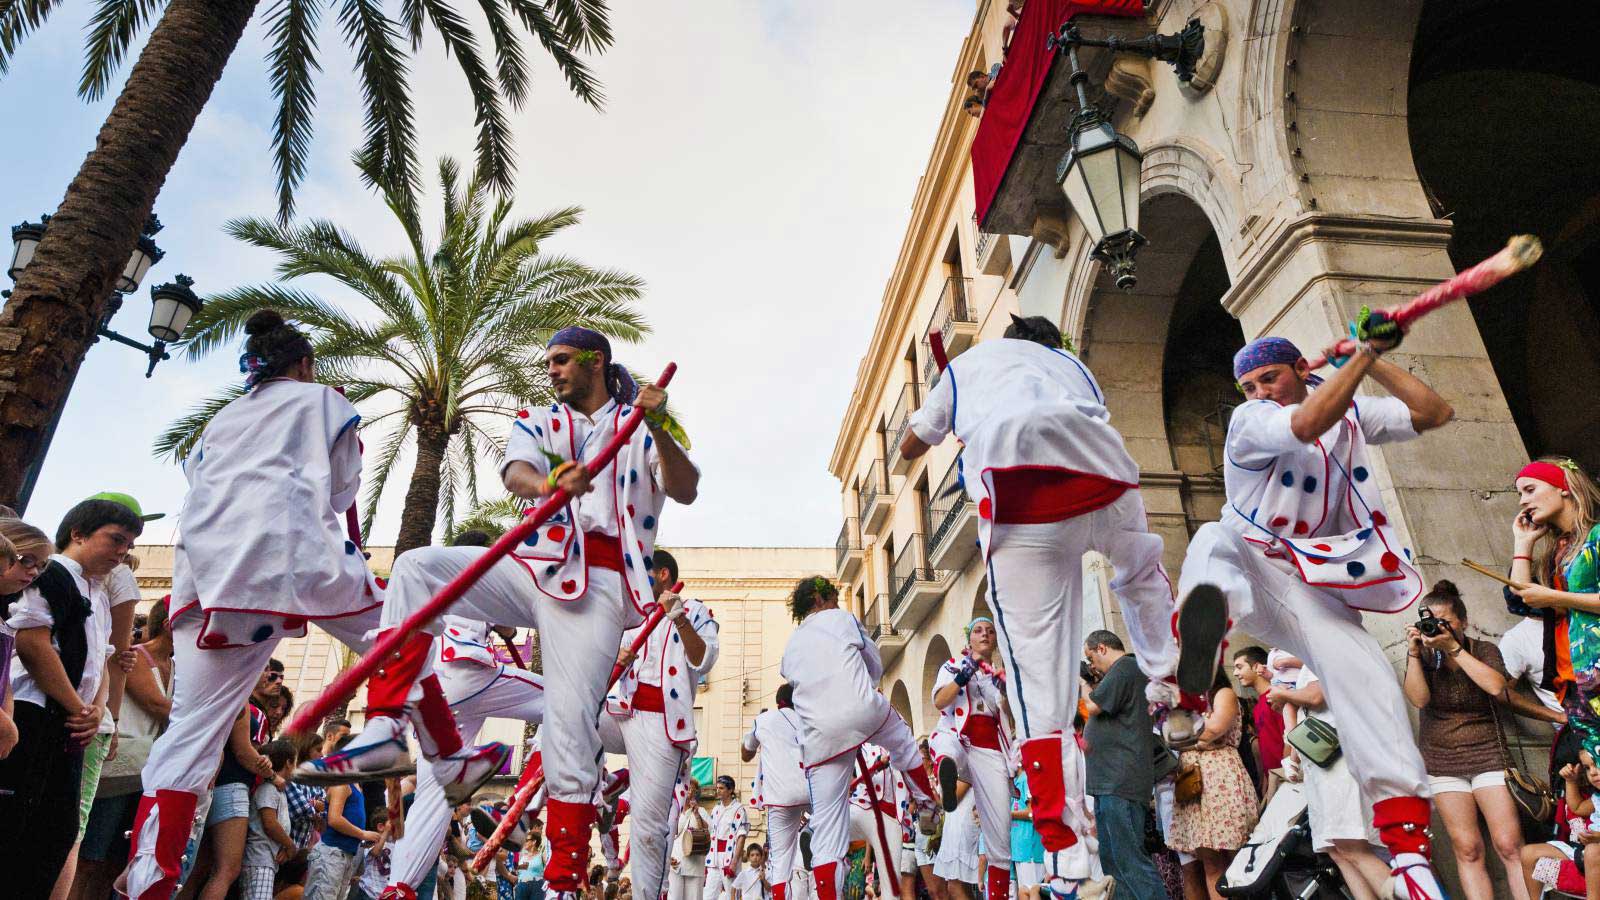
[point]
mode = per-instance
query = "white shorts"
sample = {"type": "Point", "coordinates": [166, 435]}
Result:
{"type": "Point", "coordinates": [1029, 874]}
{"type": "Point", "coordinates": [1334, 806]}
{"type": "Point", "coordinates": [1445, 784]}
{"type": "Point", "coordinates": [908, 860]}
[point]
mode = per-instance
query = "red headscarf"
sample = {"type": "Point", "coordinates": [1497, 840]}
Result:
{"type": "Point", "coordinates": [1549, 473]}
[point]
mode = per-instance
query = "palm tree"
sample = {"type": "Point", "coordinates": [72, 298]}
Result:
{"type": "Point", "coordinates": [50, 319]}
{"type": "Point", "coordinates": [452, 343]}
{"type": "Point", "coordinates": [492, 517]}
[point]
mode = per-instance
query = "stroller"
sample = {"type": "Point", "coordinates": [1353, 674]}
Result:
{"type": "Point", "coordinates": [1278, 861]}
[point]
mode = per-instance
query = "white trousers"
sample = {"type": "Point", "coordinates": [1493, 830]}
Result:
{"type": "Point", "coordinates": [829, 784]}
{"type": "Point", "coordinates": [685, 887]}
{"type": "Point", "coordinates": [1036, 592]}
{"type": "Point", "coordinates": [864, 827]}
{"type": "Point", "coordinates": [717, 885]}
{"type": "Point", "coordinates": [209, 688]}
{"type": "Point", "coordinates": [1272, 604]}
{"type": "Point", "coordinates": [654, 766]}
{"type": "Point", "coordinates": [989, 773]}
{"type": "Point", "coordinates": [475, 693]}
{"type": "Point", "coordinates": [578, 642]}
{"type": "Point", "coordinates": [784, 824]}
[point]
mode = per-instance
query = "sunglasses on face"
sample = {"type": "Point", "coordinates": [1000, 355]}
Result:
{"type": "Point", "coordinates": [274, 676]}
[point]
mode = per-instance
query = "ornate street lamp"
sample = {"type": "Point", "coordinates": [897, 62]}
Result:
{"type": "Point", "coordinates": [172, 305]}
{"type": "Point", "coordinates": [1100, 174]}
{"type": "Point", "coordinates": [145, 255]}
{"type": "Point", "coordinates": [25, 239]}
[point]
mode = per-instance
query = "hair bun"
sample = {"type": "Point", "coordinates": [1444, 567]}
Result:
{"type": "Point", "coordinates": [263, 321]}
{"type": "Point", "coordinates": [1445, 586]}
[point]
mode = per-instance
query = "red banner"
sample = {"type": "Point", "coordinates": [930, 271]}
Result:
{"type": "Point", "coordinates": [1011, 99]}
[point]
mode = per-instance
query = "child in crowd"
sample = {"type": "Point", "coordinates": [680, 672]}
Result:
{"type": "Point", "coordinates": [751, 882]}
{"type": "Point", "coordinates": [1285, 672]}
{"type": "Point", "coordinates": [1555, 864]}
{"type": "Point", "coordinates": [375, 868]}
{"type": "Point", "coordinates": [268, 844]}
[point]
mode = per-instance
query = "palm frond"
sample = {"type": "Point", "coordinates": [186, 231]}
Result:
{"type": "Point", "coordinates": [221, 320]}
{"type": "Point", "coordinates": [112, 28]}
{"type": "Point", "coordinates": [180, 438]}
{"type": "Point", "coordinates": [557, 42]}
{"type": "Point", "coordinates": [586, 23]}
{"type": "Point", "coordinates": [494, 517]}
{"type": "Point", "coordinates": [510, 63]}
{"type": "Point", "coordinates": [496, 160]}
{"type": "Point", "coordinates": [292, 29]}
{"type": "Point", "coordinates": [383, 467]}
{"type": "Point", "coordinates": [17, 19]}
{"type": "Point", "coordinates": [390, 128]}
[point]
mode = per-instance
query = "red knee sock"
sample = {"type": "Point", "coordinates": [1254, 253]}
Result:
{"type": "Point", "coordinates": [173, 824]}
{"type": "Point", "coordinates": [389, 687]}
{"type": "Point", "coordinates": [827, 878]}
{"type": "Point", "coordinates": [1402, 824]}
{"type": "Point", "coordinates": [918, 776]}
{"type": "Point", "coordinates": [999, 882]}
{"type": "Point", "coordinates": [435, 723]}
{"type": "Point", "coordinates": [1041, 762]}
{"type": "Point", "coordinates": [568, 833]}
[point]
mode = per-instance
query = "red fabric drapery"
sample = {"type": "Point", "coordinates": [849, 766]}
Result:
{"type": "Point", "coordinates": [1013, 94]}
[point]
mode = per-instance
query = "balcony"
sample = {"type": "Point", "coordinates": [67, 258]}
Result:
{"type": "Point", "coordinates": [915, 587]}
{"type": "Point", "coordinates": [952, 524]}
{"type": "Point", "coordinates": [891, 642]}
{"type": "Point", "coordinates": [848, 550]}
{"type": "Point", "coordinates": [875, 499]}
{"type": "Point", "coordinates": [955, 320]}
{"type": "Point", "coordinates": [895, 428]}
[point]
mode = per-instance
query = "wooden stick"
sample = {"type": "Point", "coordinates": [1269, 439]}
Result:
{"type": "Point", "coordinates": [345, 686]}
{"type": "Point", "coordinates": [1490, 573]}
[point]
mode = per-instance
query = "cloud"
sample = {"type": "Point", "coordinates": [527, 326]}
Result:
{"type": "Point", "coordinates": [755, 163]}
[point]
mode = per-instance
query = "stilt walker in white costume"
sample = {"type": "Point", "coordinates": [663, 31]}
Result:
{"type": "Point", "coordinates": [1052, 480]}
{"type": "Point", "coordinates": [730, 825]}
{"type": "Point", "coordinates": [580, 579]}
{"type": "Point", "coordinates": [650, 718]}
{"type": "Point", "coordinates": [835, 670]}
{"type": "Point", "coordinates": [479, 686]}
{"type": "Point", "coordinates": [780, 785]}
{"type": "Point", "coordinates": [972, 743]}
{"type": "Point", "coordinates": [1303, 547]}
{"type": "Point", "coordinates": [263, 550]}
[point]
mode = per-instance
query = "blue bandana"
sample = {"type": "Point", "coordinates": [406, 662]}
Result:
{"type": "Point", "coordinates": [619, 384]}
{"type": "Point", "coordinates": [974, 623]}
{"type": "Point", "coordinates": [1264, 351]}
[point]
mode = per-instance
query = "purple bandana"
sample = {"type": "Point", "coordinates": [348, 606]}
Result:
{"type": "Point", "coordinates": [1264, 352]}
{"type": "Point", "coordinates": [619, 384]}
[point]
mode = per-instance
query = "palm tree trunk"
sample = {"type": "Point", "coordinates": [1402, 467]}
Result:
{"type": "Point", "coordinates": [422, 497]}
{"type": "Point", "coordinates": [51, 318]}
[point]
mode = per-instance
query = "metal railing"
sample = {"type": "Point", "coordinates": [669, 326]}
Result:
{"type": "Point", "coordinates": [874, 482]}
{"type": "Point", "coordinates": [981, 245]}
{"type": "Point", "coordinates": [953, 303]}
{"type": "Point", "coordinates": [910, 567]}
{"type": "Point", "coordinates": [849, 540]}
{"type": "Point", "coordinates": [877, 627]}
{"type": "Point", "coordinates": [945, 506]}
{"type": "Point", "coordinates": [910, 399]}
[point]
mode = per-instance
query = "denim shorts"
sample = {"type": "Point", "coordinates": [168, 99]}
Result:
{"type": "Point", "coordinates": [228, 801]}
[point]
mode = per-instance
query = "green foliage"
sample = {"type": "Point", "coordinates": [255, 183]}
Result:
{"type": "Point", "coordinates": [492, 517]}
{"type": "Point", "coordinates": [451, 335]}
{"type": "Point", "coordinates": [379, 45]}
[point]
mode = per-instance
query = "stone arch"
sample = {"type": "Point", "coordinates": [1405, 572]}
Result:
{"type": "Point", "coordinates": [933, 657]}
{"type": "Point", "coordinates": [900, 699]}
{"type": "Point", "coordinates": [1194, 169]}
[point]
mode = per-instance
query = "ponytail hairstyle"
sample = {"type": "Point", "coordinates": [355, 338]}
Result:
{"type": "Point", "coordinates": [1584, 496]}
{"type": "Point", "coordinates": [1444, 593]}
{"type": "Point", "coordinates": [272, 348]}
{"type": "Point", "coordinates": [808, 593]}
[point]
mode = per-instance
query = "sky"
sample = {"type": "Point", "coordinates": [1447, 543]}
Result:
{"type": "Point", "coordinates": [755, 164]}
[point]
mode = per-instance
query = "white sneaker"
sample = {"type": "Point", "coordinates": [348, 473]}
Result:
{"type": "Point", "coordinates": [463, 772]}
{"type": "Point", "coordinates": [378, 752]}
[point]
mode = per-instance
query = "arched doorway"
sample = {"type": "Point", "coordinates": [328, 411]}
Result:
{"type": "Point", "coordinates": [900, 699]}
{"type": "Point", "coordinates": [938, 651]}
{"type": "Point", "coordinates": [1503, 109]}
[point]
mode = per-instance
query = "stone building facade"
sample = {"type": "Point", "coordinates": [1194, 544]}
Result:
{"type": "Point", "coordinates": [1332, 153]}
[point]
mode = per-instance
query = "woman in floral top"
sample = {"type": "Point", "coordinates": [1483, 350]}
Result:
{"type": "Point", "coordinates": [1556, 555]}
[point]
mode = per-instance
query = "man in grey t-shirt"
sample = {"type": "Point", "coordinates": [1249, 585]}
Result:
{"type": "Point", "coordinates": [1118, 770]}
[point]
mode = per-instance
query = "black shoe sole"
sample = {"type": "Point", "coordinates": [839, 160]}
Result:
{"type": "Point", "coordinates": [1202, 624]}
{"type": "Point", "coordinates": [947, 785]}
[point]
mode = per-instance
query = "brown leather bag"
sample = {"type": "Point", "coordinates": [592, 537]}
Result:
{"type": "Point", "coordinates": [1189, 784]}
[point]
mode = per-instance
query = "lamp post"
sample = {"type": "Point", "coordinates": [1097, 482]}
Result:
{"type": "Point", "coordinates": [172, 305]}
{"type": "Point", "coordinates": [1100, 174]}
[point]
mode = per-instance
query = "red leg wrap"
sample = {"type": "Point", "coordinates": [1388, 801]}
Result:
{"type": "Point", "coordinates": [398, 892]}
{"type": "Point", "coordinates": [999, 882]}
{"type": "Point", "coordinates": [827, 878]}
{"type": "Point", "coordinates": [532, 768]}
{"type": "Point", "coordinates": [1041, 761]}
{"type": "Point", "coordinates": [1402, 824]}
{"type": "Point", "coordinates": [780, 891]}
{"type": "Point", "coordinates": [568, 833]}
{"type": "Point", "coordinates": [434, 716]}
{"type": "Point", "coordinates": [174, 823]}
{"type": "Point", "coordinates": [918, 776]}
{"type": "Point", "coordinates": [389, 686]}
{"type": "Point", "coordinates": [1193, 702]}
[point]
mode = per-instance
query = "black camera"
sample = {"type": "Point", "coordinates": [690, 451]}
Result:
{"type": "Point", "coordinates": [1087, 673]}
{"type": "Point", "coordinates": [1430, 625]}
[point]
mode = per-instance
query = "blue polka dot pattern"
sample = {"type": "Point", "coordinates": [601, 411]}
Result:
{"type": "Point", "coordinates": [649, 562]}
{"type": "Point", "coordinates": [349, 548]}
{"type": "Point", "coordinates": [550, 571]}
{"type": "Point", "coordinates": [633, 475]}
{"type": "Point", "coordinates": [627, 560]}
{"type": "Point", "coordinates": [261, 634]}
{"type": "Point", "coordinates": [1359, 473]}
{"type": "Point", "coordinates": [1355, 569]}
{"type": "Point", "coordinates": [1363, 534]}
{"type": "Point", "coordinates": [650, 522]}
{"type": "Point", "coordinates": [674, 693]}
{"type": "Point", "coordinates": [1310, 484]}
{"type": "Point", "coordinates": [531, 539]}
{"type": "Point", "coordinates": [554, 408]}
{"type": "Point", "coordinates": [539, 430]}
{"type": "Point", "coordinates": [1408, 552]}
{"type": "Point", "coordinates": [674, 637]}
{"type": "Point", "coordinates": [648, 440]}
{"type": "Point", "coordinates": [1288, 479]}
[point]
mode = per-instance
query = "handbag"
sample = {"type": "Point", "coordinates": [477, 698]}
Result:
{"type": "Point", "coordinates": [1189, 784]}
{"type": "Point", "coordinates": [1164, 762]}
{"type": "Point", "coordinates": [1536, 806]}
{"type": "Point", "coordinates": [1315, 740]}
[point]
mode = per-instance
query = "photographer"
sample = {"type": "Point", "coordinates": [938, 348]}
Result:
{"type": "Point", "coordinates": [1454, 679]}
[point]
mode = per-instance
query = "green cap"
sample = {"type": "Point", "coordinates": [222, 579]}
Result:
{"type": "Point", "coordinates": [128, 501]}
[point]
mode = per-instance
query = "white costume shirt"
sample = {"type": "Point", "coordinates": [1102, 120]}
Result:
{"type": "Point", "coordinates": [780, 774]}
{"type": "Point", "coordinates": [32, 611]}
{"type": "Point", "coordinates": [664, 662]}
{"type": "Point", "coordinates": [262, 543]}
{"type": "Point", "coordinates": [888, 786]}
{"type": "Point", "coordinates": [690, 866]}
{"type": "Point", "coordinates": [748, 884]}
{"type": "Point", "coordinates": [626, 501]}
{"type": "Point", "coordinates": [1522, 648]}
{"type": "Point", "coordinates": [466, 642]}
{"type": "Point", "coordinates": [728, 824]}
{"type": "Point", "coordinates": [981, 696]}
{"type": "Point", "coordinates": [835, 669]}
